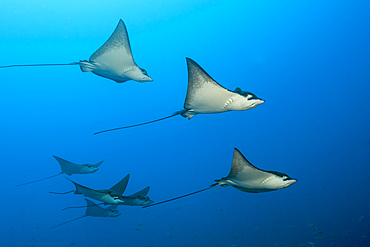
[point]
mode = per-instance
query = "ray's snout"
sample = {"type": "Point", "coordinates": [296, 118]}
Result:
{"type": "Point", "coordinates": [146, 79]}
{"type": "Point", "coordinates": [259, 102]}
{"type": "Point", "coordinates": [290, 182]}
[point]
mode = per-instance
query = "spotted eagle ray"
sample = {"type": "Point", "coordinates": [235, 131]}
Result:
{"type": "Point", "coordinates": [113, 195]}
{"type": "Point", "coordinates": [206, 96]}
{"type": "Point", "coordinates": [113, 60]}
{"type": "Point", "coordinates": [246, 177]}
{"type": "Point", "coordinates": [70, 168]}
{"type": "Point", "coordinates": [94, 210]}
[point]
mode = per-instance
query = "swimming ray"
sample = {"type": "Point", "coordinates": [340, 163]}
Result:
{"type": "Point", "coordinates": [95, 211]}
{"type": "Point", "coordinates": [246, 177]}
{"type": "Point", "coordinates": [206, 96]}
{"type": "Point", "coordinates": [69, 168]}
{"type": "Point", "coordinates": [113, 60]}
{"type": "Point", "coordinates": [113, 195]}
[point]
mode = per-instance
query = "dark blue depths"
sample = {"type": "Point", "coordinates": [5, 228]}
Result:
{"type": "Point", "coordinates": [308, 60]}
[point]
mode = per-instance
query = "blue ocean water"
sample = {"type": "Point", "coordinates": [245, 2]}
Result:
{"type": "Point", "coordinates": [309, 61]}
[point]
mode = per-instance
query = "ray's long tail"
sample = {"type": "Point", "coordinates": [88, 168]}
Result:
{"type": "Point", "coordinates": [68, 221]}
{"type": "Point", "coordinates": [179, 197]}
{"type": "Point", "coordinates": [84, 206]}
{"type": "Point", "coordinates": [33, 65]}
{"type": "Point", "coordinates": [135, 125]}
{"type": "Point", "coordinates": [39, 180]}
{"type": "Point", "coordinates": [61, 193]}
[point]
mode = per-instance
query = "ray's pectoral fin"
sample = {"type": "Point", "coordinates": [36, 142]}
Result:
{"type": "Point", "coordinates": [120, 187]}
{"type": "Point", "coordinates": [143, 192]}
{"type": "Point", "coordinates": [98, 164]}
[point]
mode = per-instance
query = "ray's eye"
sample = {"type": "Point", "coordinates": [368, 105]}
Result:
{"type": "Point", "coordinates": [114, 196]}
{"type": "Point", "coordinates": [144, 71]}
{"type": "Point", "coordinates": [250, 95]}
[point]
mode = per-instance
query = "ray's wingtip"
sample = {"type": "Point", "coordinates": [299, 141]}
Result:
{"type": "Point", "coordinates": [188, 59]}
{"type": "Point", "coordinates": [191, 63]}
